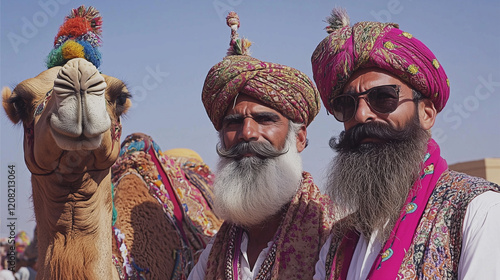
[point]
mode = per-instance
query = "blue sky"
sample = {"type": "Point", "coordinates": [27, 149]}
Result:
{"type": "Point", "coordinates": [164, 49]}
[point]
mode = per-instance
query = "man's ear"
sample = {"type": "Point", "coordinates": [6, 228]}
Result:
{"type": "Point", "coordinates": [301, 138]}
{"type": "Point", "coordinates": [427, 113]}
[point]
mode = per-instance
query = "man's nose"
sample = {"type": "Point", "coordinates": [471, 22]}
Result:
{"type": "Point", "coordinates": [249, 130]}
{"type": "Point", "coordinates": [364, 112]}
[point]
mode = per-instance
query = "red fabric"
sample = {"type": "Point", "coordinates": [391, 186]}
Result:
{"type": "Point", "coordinates": [175, 200]}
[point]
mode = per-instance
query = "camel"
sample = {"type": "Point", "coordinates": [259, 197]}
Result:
{"type": "Point", "coordinates": [163, 202]}
{"type": "Point", "coordinates": [69, 156]}
{"type": "Point", "coordinates": [71, 118]}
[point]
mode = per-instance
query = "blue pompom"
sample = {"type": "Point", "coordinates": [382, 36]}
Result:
{"type": "Point", "coordinates": [91, 54]}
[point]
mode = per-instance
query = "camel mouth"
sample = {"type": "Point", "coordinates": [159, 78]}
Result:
{"type": "Point", "coordinates": [81, 142]}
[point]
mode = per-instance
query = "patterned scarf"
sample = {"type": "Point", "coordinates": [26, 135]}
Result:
{"type": "Point", "coordinates": [304, 229]}
{"type": "Point", "coordinates": [389, 260]}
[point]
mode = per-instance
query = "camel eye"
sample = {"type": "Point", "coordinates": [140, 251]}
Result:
{"type": "Point", "coordinates": [122, 98]}
{"type": "Point", "coordinates": [121, 102]}
{"type": "Point", "coordinates": [118, 96]}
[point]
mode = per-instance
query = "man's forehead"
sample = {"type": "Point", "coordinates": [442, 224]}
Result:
{"type": "Point", "coordinates": [245, 104]}
{"type": "Point", "coordinates": [367, 78]}
{"type": "Point", "coordinates": [241, 97]}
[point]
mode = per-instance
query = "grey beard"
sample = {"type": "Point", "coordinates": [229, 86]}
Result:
{"type": "Point", "coordinates": [250, 190]}
{"type": "Point", "coordinates": [372, 182]}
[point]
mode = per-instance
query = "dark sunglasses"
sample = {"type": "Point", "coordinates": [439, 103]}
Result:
{"type": "Point", "coordinates": [382, 99]}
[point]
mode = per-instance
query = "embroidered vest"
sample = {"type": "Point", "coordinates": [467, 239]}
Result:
{"type": "Point", "coordinates": [437, 243]}
{"type": "Point", "coordinates": [436, 246]}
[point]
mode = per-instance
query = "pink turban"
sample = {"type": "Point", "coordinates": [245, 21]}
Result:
{"type": "Point", "coordinates": [280, 87]}
{"type": "Point", "coordinates": [380, 45]}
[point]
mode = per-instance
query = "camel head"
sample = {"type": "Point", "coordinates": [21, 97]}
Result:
{"type": "Point", "coordinates": [70, 112]}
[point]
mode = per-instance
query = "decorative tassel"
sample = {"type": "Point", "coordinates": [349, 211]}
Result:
{"type": "Point", "coordinates": [338, 19]}
{"type": "Point", "coordinates": [78, 36]}
{"type": "Point", "coordinates": [91, 15]}
{"type": "Point", "coordinates": [237, 46]}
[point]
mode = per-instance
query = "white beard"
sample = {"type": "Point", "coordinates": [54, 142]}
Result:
{"type": "Point", "coordinates": [250, 190]}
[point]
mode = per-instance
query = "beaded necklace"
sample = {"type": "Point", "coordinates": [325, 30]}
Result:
{"type": "Point", "coordinates": [234, 251]}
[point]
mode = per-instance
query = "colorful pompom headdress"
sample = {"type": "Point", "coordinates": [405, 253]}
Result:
{"type": "Point", "coordinates": [78, 36]}
{"type": "Point", "coordinates": [280, 87]}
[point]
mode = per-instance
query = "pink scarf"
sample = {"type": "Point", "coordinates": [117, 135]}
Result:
{"type": "Point", "coordinates": [388, 262]}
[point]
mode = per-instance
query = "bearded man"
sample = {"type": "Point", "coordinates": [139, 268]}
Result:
{"type": "Point", "coordinates": [276, 219]}
{"type": "Point", "coordinates": [406, 215]}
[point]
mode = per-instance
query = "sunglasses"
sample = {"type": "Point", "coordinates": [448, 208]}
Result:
{"type": "Point", "coordinates": [382, 99]}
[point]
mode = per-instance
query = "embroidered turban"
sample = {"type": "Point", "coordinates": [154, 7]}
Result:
{"type": "Point", "coordinates": [380, 45]}
{"type": "Point", "coordinates": [280, 87]}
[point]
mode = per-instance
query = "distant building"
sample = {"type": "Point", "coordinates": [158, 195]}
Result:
{"type": "Point", "coordinates": [487, 168]}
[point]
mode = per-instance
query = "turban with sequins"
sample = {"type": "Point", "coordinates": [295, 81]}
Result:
{"type": "Point", "coordinates": [280, 87]}
{"type": "Point", "coordinates": [380, 45]}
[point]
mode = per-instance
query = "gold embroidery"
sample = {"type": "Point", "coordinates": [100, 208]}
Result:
{"type": "Point", "coordinates": [435, 63]}
{"type": "Point", "coordinates": [413, 69]}
{"type": "Point", "coordinates": [407, 35]}
{"type": "Point", "coordinates": [389, 45]}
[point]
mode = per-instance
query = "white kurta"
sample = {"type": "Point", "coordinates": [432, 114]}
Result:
{"type": "Point", "coordinates": [480, 257]}
{"type": "Point", "coordinates": [198, 272]}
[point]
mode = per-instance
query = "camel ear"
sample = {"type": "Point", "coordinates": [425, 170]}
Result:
{"type": "Point", "coordinates": [9, 101]}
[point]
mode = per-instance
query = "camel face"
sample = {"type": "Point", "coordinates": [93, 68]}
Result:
{"type": "Point", "coordinates": [71, 116]}
{"type": "Point", "coordinates": [80, 118]}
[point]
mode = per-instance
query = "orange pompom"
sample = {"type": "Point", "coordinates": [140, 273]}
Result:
{"type": "Point", "coordinates": [74, 27]}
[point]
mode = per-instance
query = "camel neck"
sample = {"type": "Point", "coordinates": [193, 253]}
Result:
{"type": "Point", "coordinates": [74, 225]}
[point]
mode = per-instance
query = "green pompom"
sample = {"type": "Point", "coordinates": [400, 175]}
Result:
{"type": "Point", "coordinates": [55, 58]}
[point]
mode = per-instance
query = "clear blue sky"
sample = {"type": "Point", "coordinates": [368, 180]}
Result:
{"type": "Point", "coordinates": [180, 40]}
